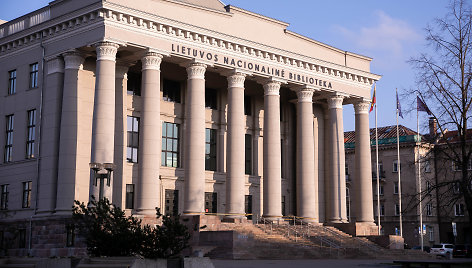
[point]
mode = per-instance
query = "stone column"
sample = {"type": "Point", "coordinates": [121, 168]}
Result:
{"type": "Point", "coordinates": [66, 177]}
{"type": "Point", "coordinates": [103, 126]}
{"type": "Point", "coordinates": [337, 182]}
{"type": "Point", "coordinates": [363, 184]}
{"type": "Point", "coordinates": [235, 178]}
{"type": "Point", "coordinates": [194, 192]}
{"type": "Point", "coordinates": [307, 184]}
{"type": "Point", "coordinates": [150, 147]}
{"type": "Point", "coordinates": [272, 208]}
{"type": "Point", "coordinates": [50, 126]}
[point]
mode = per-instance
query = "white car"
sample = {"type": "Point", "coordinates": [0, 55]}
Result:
{"type": "Point", "coordinates": [443, 250]}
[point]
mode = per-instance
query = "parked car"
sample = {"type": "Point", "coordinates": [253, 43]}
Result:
{"type": "Point", "coordinates": [443, 250]}
{"type": "Point", "coordinates": [462, 251]}
{"type": "Point", "coordinates": [425, 248]}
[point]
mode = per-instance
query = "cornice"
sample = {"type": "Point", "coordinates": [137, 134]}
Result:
{"type": "Point", "coordinates": [178, 30]}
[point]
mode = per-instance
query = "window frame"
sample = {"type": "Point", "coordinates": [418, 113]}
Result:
{"type": "Point", "coordinates": [395, 166]}
{"type": "Point", "coordinates": [395, 187]}
{"type": "Point", "coordinates": [397, 210]}
{"type": "Point", "coordinates": [30, 133]}
{"type": "Point", "coordinates": [4, 197]}
{"type": "Point", "coordinates": [34, 75]}
{"type": "Point", "coordinates": [132, 148]}
{"type": "Point", "coordinates": [211, 155]}
{"type": "Point", "coordinates": [26, 196]}
{"type": "Point", "coordinates": [129, 197]}
{"type": "Point", "coordinates": [429, 209]}
{"type": "Point", "coordinates": [174, 138]}
{"type": "Point", "coordinates": [9, 129]}
{"type": "Point", "coordinates": [459, 210]}
{"type": "Point", "coordinates": [12, 75]}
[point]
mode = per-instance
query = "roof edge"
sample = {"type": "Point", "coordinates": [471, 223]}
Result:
{"type": "Point", "coordinates": [230, 8]}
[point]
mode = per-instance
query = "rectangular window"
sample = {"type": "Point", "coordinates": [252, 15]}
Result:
{"type": "Point", "coordinates": [248, 206]}
{"type": "Point", "coordinates": [284, 212]}
{"type": "Point", "coordinates": [382, 210]}
{"type": "Point", "coordinates": [381, 190]}
{"type": "Point", "coordinates": [8, 157]}
{"type": "Point", "coordinates": [428, 187]}
{"type": "Point", "coordinates": [427, 166]}
{"type": "Point", "coordinates": [247, 106]}
{"type": "Point", "coordinates": [134, 84]}
{"type": "Point", "coordinates": [431, 233]}
{"type": "Point", "coordinates": [395, 187]}
{"type": "Point", "coordinates": [26, 203]}
{"type": "Point", "coordinates": [171, 202]}
{"type": "Point", "coordinates": [21, 238]}
{"type": "Point", "coordinates": [210, 149]}
{"type": "Point", "coordinates": [129, 204]}
{"type": "Point", "coordinates": [456, 166]}
{"type": "Point", "coordinates": [248, 154]}
{"type": "Point", "coordinates": [211, 98]}
{"type": "Point", "coordinates": [34, 75]}
{"type": "Point", "coordinates": [397, 210]}
{"type": "Point", "coordinates": [31, 135]}
{"type": "Point", "coordinates": [211, 202]}
{"type": "Point", "coordinates": [346, 170]}
{"type": "Point", "coordinates": [459, 209]}
{"type": "Point", "coordinates": [456, 188]}
{"type": "Point", "coordinates": [133, 139]}
{"type": "Point", "coordinates": [4, 197]}
{"type": "Point", "coordinates": [170, 145]}
{"type": "Point", "coordinates": [171, 91]}
{"type": "Point", "coordinates": [429, 209]}
{"type": "Point", "coordinates": [70, 235]}
{"type": "Point", "coordinates": [11, 82]}
{"type": "Point", "coordinates": [396, 166]}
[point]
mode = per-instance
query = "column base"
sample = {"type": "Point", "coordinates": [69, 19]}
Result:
{"type": "Point", "coordinates": [235, 219]}
{"type": "Point", "coordinates": [357, 228]}
{"type": "Point", "coordinates": [273, 219]}
{"type": "Point", "coordinates": [310, 221]}
{"type": "Point", "coordinates": [144, 212]}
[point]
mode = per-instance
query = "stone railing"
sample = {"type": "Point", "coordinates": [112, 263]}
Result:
{"type": "Point", "coordinates": [25, 22]}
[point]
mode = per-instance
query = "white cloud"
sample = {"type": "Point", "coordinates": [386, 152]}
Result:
{"type": "Point", "coordinates": [388, 36]}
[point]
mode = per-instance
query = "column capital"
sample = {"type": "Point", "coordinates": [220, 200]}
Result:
{"type": "Point", "coordinates": [152, 61]}
{"type": "Point", "coordinates": [55, 65]}
{"type": "Point", "coordinates": [335, 102]}
{"type": "Point", "coordinates": [362, 107]}
{"type": "Point", "coordinates": [305, 95]}
{"type": "Point", "coordinates": [272, 88]}
{"type": "Point", "coordinates": [236, 79]}
{"type": "Point", "coordinates": [73, 60]}
{"type": "Point", "coordinates": [196, 70]}
{"type": "Point", "coordinates": [106, 50]}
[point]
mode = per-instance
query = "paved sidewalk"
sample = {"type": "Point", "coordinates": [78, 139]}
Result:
{"type": "Point", "coordinates": [302, 263]}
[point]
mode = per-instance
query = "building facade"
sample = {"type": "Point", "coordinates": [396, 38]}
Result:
{"type": "Point", "coordinates": [442, 206]}
{"type": "Point", "coordinates": [181, 105]}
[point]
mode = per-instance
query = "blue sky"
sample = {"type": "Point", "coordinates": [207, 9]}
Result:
{"type": "Point", "coordinates": [389, 31]}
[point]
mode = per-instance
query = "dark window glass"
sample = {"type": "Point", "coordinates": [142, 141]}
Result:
{"type": "Point", "coordinates": [4, 197]}
{"type": "Point", "coordinates": [170, 145]}
{"type": "Point", "coordinates": [171, 202]}
{"type": "Point", "coordinates": [247, 105]}
{"type": "Point", "coordinates": [34, 75]}
{"type": "Point", "coordinates": [211, 203]}
{"type": "Point", "coordinates": [11, 82]}
{"type": "Point", "coordinates": [210, 149]}
{"type": "Point", "coordinates": [8, 157]}
{"type": "Point", "coordinates": [248, 206]}
{"type": "Point", "coordinates": [133, 139]}
{"type": "Point", "coordinates": [171, 91]}
{"type": "Point", "coordinates": [26, 203]}
{"type": "Point", "coordinates": [284, 212]}
{"type": "Point", "coordinates": [134, 84]}
{"type": "Point", "coordinates": [21, 238]}
{"type": "Point", "coordinates": [70, 235]}
{"type": "Point", "coordinates": [248, 154]}
{"type": "Point", "coordinates": [129, 196]}
{"type": "Point", "coordinates": [211, 98]}
{"type": "Point", "coordinates": [31, 129]}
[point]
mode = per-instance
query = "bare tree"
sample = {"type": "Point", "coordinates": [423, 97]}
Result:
{"type": "Point", "coordinates": [443, 80]}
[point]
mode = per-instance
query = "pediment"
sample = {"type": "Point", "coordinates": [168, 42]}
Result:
{"type": "Point", "coordinates": [212, 4]}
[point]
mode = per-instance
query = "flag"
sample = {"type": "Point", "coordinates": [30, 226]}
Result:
{"type": "Point", "coordinates": [373, 99]}
{"type": "Point", "coordinates": [399, 107]}
{"type": "Point", "coordinates": [421, 106]}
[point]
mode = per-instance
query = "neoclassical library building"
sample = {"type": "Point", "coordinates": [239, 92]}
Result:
{"type": "Point", "coordinates": [192, 106]}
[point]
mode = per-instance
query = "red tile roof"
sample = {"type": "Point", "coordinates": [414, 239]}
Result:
{"type": "Point", "coordinates": [383, 133]}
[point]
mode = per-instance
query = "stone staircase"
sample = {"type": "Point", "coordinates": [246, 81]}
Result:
{"type": "Point", "coordinates": [286, 241]}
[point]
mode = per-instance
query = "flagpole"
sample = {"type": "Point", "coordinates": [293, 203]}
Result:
{"type": "Point", "coordinates": [377, 167]}
{"type": "Point", "coordinates": [419, 174]}
{"type": "Point", "coordinates": [399, 173]}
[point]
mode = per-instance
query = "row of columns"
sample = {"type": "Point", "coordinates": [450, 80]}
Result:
{"type": "Point", "coordinates": [150, 138]}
